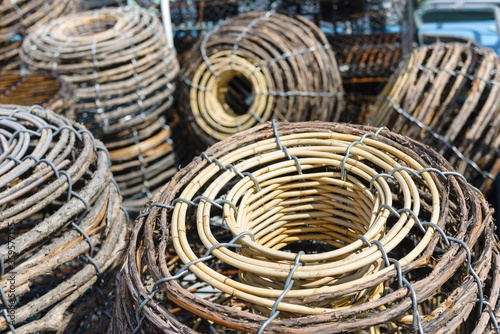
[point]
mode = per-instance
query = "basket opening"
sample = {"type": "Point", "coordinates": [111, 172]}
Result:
{"type": "Point", "coordinates": [239, 95]}
{"type": "Point", "coordinates": [92, 26]}
{"type": "Point", "coordinates": [316, 215]}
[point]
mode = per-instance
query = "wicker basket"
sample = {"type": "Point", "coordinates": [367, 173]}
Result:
{"type": "Point", "coordinates": [317, 227]}
{"type": "Point", "coordinates": [256, 67]}
{"type": "Point", "coordinates": [62, 229]}
{"type": "Point", "coordinates": [446, 96]}
{"type": "Point", "coordinates": [123, 76]}
{"type": "Point", "coordinates": [21, 17]}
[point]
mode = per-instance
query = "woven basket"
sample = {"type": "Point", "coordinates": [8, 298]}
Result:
{"type": "Point", "coordinates": [256, 67]}
{"type": "Point", "coordinates": [117, 61]}
{"type": "Point", "coordinates": [123, 76]}
{"type": "Point", "coordinates": [21, 17]}
{"type": "Point", "coordinates": [296, 227]}
{"type": "Point", "coordinates": [44, 89]}
{"type": "Point", "coordinates": [446, 96]}
{"type": "Point", "coordinates": [62, 229]}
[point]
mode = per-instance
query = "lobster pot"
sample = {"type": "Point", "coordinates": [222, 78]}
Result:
{"type": "Point", "coordinates": [61, 227]}
{"type": "Point", "coordinates": [21, 17]}
{"type": "Point", "coordinates": [143, 159]}
{"type": "Point", "coordinates": [312, 226]}
{"type": "Point", "coordinates": [255, 67]}
{"type": "Point", "coordinates": [366, 63]}
{"type": "Point", "coordinates": [123, 76]}
{"type": "Point", "coordinates": [446, 96]}
{"type": "Point", "coordinates": [44, 89]}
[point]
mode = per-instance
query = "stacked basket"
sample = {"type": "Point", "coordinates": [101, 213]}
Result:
{"type": "Point", "coordinates": [123, 77]}
{"type": "Point", "coordinates": [256, 67]}
{"type": "Point", "coordinates": [315, 227]}
{"type": "Point", "coordinates": [446, 96]}
{"type": "Point", "coordinates": [21, 17]}
{"type": "Point", "coordinates": [43, 89]}
{"type": "Point", "coordinates": [61, 225]}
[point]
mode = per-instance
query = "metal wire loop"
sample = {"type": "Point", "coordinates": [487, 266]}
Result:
{"type": "Point", "coordinates": [85, 235]}
{"type": "Point", "coordinates": [288, 285]}
{"type": "Point", "coordinates": [18, 132]}
{"type": "Point", "coordinates": [283, 148]}
{"type": "Point", "coordinates": [440, 138]}
{"type": "Point", "coordinates": [184, 269]}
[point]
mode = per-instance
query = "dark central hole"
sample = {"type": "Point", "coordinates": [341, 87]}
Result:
{"type": "Point", "coordinates": [93, 27]}
{"type": "Point", "coordinates": [239, 95]}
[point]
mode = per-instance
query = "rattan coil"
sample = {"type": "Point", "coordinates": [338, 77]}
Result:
{"type": "Point", "coordinates": [117, 60]}
{"type": "Point", "coordinates": [446, 95]}
{"type": "Point", "coordinates": [62, 228]}
{"type": "Point", "coordinates": [43, 89]}
{"type": "Point", "coordinates": [320, 188]}
{"type": "Point", "coordinates": [21, 17]}
{"type": "Point", "coordinates": [256, 67]}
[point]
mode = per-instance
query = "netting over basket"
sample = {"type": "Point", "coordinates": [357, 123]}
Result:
{"type": "Point", "coordinates": [62, 229]}
{"type": "Point", "coordinates": [18, 18]}
{"type": "Point", "coordinates": [44, 89]}
{"type": "Point", "coordinates": [317, 227]}
{"type": "Point", "coordinates": [123, 75]}
{"type": "Point", "coordinates": [255, 67]}
{"type": "Point", "coordinates": [446, 95]}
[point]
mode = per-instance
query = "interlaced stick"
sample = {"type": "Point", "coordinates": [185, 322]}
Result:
{"type": "Point", "coordinates": [20, 18]}
{"type": "Point", "coordinates": [61, 224]}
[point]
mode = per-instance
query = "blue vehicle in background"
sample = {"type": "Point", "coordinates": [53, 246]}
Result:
{"type": "Point", "coordinates": [474, 21]}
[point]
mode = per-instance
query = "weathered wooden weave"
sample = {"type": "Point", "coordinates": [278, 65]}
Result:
{"type": "Point", "coordinates": [446, 96]}
{"type": "Point", "coordinates": [61, 226]}
{"type": "Point", "coordinates": [256, 67]}
{"type": "Point", "coordinates": [117, 60]}
{"type": "Point", "coordinates": [317, 227]}
{"type": "Point", "coordinates": [123, 75]}
{"type": "Point", "coordinates": [21, 17]}
{"type": "Point", "coordinates": [43, 89]}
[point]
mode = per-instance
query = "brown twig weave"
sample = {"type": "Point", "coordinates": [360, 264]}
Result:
{"type": "Point", "coordinates": [446, 96]}
{"type": "Point", "coordinates": [61, 225]}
